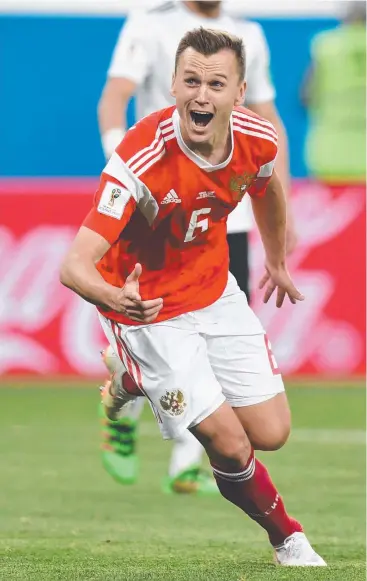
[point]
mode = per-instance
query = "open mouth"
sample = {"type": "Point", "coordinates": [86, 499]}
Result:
{"type": "Point", "coordinates": [201, 118]}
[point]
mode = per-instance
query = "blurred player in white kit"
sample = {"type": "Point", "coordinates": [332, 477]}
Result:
{"type": "Point", "coordinates": [142, 65]}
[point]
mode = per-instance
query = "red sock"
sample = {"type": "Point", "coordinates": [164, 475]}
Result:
{"type": "Point", "coordinates": [252, 491]}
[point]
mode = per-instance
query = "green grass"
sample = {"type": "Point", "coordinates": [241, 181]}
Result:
{"type": "Point", "coordinates": [63, 518]}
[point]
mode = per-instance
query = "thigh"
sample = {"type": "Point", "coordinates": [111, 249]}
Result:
{"type": "Point", "coordinates": [239, 260]}
{"type": "Point", "coordinates": [170, 364]}
{"type": "Point", "coordinates": [240, 353]}
{"type": "Point", "coordinates": [267, 424]}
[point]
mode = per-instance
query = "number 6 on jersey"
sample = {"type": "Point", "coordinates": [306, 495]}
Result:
{"type": "Point", "coordinates": [195, 223]}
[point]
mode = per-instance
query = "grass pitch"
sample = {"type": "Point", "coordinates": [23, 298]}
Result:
{"type": "Point", "coordinates": [63, 518]}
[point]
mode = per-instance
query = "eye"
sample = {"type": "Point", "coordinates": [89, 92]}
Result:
{"type": "Point", "coordinates": [217, 84]}
{"type": "Point", "coordinates": [191, 81]}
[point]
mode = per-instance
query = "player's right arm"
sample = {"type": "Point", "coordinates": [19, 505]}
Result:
{"type": "Point", "coordinates": [99, 231]}
{"type": "Point", "coordinates": [130, 66]}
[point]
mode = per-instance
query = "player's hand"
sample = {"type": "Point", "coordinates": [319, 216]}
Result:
{"type": "Point", "coordinates": [279, 278]}
{"type": "Point", "coordinates": [128, 300]}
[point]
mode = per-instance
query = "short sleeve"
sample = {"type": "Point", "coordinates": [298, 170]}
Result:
{"type": "Point", "coordinates": [260, 88]}
{"type": "Point", "coordinates": [134, 52]}
{"type": "Point", "coordinates": [112, 209]}
{"type": "Point", "coordinates": [266, 169]}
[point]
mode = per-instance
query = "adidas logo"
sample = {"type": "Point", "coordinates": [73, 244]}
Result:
{"type": "Point", "coordinates": [203, 195]}
{"type": "Point", "coordinates": [171, 198]}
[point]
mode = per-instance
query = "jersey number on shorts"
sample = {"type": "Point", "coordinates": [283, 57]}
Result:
{"type": "Point", "coordinates": [195, 223]}
{"type": "Point", "coordinates": [273, 363]}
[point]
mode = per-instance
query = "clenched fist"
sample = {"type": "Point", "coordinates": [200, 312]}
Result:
{"type": "Point", "coordinates": [127, 300]}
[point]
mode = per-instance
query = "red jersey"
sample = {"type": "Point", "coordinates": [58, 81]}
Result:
{"type": "Point", "coordinates": [162, 205]}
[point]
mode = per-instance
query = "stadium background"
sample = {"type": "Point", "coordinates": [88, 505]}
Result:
{"type": "Point", "coordinates": [53, 68]}
{"type": "Point", "coordinates": [62, 516]}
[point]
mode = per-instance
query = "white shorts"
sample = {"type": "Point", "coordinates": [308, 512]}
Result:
{"type": "Point", "coordinates": [188, 366]}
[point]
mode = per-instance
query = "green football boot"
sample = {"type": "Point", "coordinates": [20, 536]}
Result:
{"type": "Point", "coordinates": [119, 455]}
{"type": "Point", "coordinates": [191, 481]}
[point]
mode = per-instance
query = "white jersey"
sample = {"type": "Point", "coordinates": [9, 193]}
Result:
{"type": "Point", "coordinates": [145, 54]}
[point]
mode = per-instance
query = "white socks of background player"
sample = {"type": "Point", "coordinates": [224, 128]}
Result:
{"type": "Point", "coordinates": [186, 453]}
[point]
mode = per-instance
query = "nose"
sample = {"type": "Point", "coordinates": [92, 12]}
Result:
{"type": "Point", "coordinates": [202, 95]}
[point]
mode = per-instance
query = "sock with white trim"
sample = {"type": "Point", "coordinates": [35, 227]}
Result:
{"type": "Point", "coordinates": [253, 491]}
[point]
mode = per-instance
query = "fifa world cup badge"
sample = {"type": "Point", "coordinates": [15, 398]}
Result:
{"type": "Point", "coordinates": [238, 185]}
{"type": "Point", "coordinates": [116, 193]}
{"type": "Point", "coordinates": [173, 402]}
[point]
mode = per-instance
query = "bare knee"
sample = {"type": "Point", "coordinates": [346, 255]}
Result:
{"type": "Point", "coordinates": [233, 450]}
{"type": "Point", "coordinates": [224, 439]}
{"type": "Point", "coordinates": [229, 449]}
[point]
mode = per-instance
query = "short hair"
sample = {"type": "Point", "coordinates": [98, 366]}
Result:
{"type": "Point", "coordinates": [208, 42]}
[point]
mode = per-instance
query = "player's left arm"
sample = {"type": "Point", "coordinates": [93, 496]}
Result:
{"type": "Point", "coordinates": [260, 98]}
{"type": "Point", "coordinates": [270, 211]}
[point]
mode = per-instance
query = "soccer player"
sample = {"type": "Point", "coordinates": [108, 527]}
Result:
{"type": "Point", "coordinates": [334, 91]}
{"type": "Point", "coordinates": [152, 255]}
{"type": "Point", "coordinates": [142, 64]}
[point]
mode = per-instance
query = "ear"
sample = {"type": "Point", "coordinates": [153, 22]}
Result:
{"type": "Point", "coordinates": [240, 99]}
{"type": "Point", "coordinates": [173, 88]}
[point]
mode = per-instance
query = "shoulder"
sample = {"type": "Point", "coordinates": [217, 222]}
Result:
{"type": "Point", "coordinates": [244, 118]}
{"type": "Point", "coordinates": [145, 143]}
{"type": "Point", "coordinates": [149, 22]}
{"type": "Point", "coordinates": [324, 39]}
{"type": "Point", "coordinates": [159, 15]}
{"type": "Point", "coordinates": [250, 128]}
{"type": "Point", "coordinates": [163, 8]}
{"type": "Point", "coordinates": [251, 32]}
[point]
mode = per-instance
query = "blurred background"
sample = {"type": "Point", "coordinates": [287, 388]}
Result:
{"type": "Point", "coordinates": [53, 61]}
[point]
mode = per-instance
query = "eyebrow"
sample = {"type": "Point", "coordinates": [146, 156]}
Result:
{"type": "Point", "coordinates": [190, 72]}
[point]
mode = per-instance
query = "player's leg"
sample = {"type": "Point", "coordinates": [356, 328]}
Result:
{"type": "Point", "coordinates": [239, 260]}
{"type": "Point", "coordinates": [169, 363]}
{"type": "Point", "coordinates": [119, 438]}
{"type": "Point", "coordinates": [244, 481]}
{"type": "Point", "coordinates": [185, 474]}
{"type": "Point", "coordinates": [246, 369]}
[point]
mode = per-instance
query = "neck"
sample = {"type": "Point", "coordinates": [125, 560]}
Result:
{"type": "Point", "coordinates": [206, 11]}
{"type": "Point", "coordinates": [216, 151]}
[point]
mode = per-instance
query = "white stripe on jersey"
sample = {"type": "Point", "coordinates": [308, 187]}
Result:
{"type": "Point", "coordinates": [170, 136]}
{"type": "Point", "coordinates": [166, 122]}
{"type": "Point", "coordinates": [256, 126]}
{"type": "Point", "coordinates": [254, 120]}
{"type": "Point", "coordinates": [254, 133]}
{"type": "Point", "coordinates": [152, 162]}
{"type": "Point", "coordinates": [147, 152]}
{"type": "Point", "coordinates": [167, 129]}
{"type": "Point", "coordinates": [145, 149]}
{"type": "Point", "coordinates": [157, 149]}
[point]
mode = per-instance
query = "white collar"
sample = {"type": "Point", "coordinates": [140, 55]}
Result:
{"type": "Point", "coordinates": [199, 161]}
